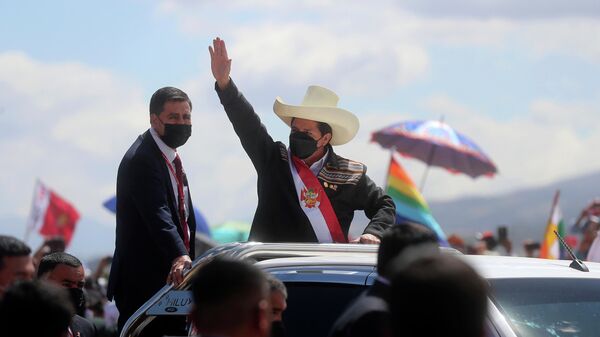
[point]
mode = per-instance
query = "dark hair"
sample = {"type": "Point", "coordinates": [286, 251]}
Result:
{"type": "Point", "coordinates": [164, 95]}
{"type": "Point", "coordinates": [11, 247]}
{"type": "Point", "coordinates": [33, 308]}
{"type": "Point", "coordinates": [50, 261]}
{"type": "Point", "coordinates": [226, 292]}
{"type": "Point", "coordinates": [275, 284]}
{"type": "Point", "coordinates": [324, 128]}
{"type": "Point", "coordinates": [396, 239]}
{"type": "Point", "coordinates": [441, 286]}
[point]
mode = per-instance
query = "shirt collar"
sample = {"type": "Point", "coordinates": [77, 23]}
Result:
{"type": "Point", "coordinates": [164, 148]}
{"type": "Point", "coordinates": [318, 165]}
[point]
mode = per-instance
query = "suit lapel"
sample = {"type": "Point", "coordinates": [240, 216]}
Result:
{"type": "Point", "coordinates": [166, 177]}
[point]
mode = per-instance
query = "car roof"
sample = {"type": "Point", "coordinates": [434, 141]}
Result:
{"type": "Point", "coordinates": [493, 267]}
{"type": "Point", "coordinates": [490, 267]}
{"type": "Point", "coordinates": [330, 260]}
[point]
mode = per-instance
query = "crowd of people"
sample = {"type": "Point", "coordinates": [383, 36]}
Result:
{"type": "Point", "coordinates": [235, 298]}
{"type": "Point", "coordinates": [52, 285]}
{"type": "Point", "coordinates": [581, 237]}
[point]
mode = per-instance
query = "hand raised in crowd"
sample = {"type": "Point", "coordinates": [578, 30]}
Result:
{"type": "Point", "coordinates": [367, 239]}
{"type": "Point", "coordinates": [180, 264]}
{"type": "Point", "coordinates": [220, 63]}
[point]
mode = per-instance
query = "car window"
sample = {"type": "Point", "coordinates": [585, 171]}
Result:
{"type": "Point", "coordinates": [314, 307]}
{"type": "Point", "coordinates": [537, 307]}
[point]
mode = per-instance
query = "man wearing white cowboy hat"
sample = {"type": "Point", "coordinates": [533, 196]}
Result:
{"type": "Point", "coordinates": [306, 193]}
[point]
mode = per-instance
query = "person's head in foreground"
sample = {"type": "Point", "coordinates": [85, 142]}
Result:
{"type": "Point", "coordinates": [15, 262]}
{"type": "Point", "coordinates": [33, 308]}
{"type": "Point", "coordinates": [278, 297]}
{"type": "Point", "coordinates": [396, 239]}
{"type": "Point", "coordinates": [65, 270]}
{"type": "Point", "coordinates": [438, 295]}
{"type": "Point", "coordinates": [231, 298]}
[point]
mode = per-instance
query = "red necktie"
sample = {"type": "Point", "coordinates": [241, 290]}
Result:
{"type": "Point", "coordinates": [181, 201]}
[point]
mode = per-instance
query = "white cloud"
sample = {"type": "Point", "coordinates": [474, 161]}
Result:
{"type": "Point", "coordinates": [304, 37]}
{"type": "Point", "coordinates": [67, 124]}
{"type": "Point", "coordinates": [302, 53]}
{"type": "Point", "coordinates": [72, 104]}
{"type": "Point", "coordinates": [294, 44]}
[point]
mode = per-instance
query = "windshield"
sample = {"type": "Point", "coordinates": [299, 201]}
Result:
{"type": "Point", "coordinates": [549, 307]}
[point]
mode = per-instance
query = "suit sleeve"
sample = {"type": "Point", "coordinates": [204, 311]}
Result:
{"type": "Point", "coordinates": [255, 139]}
{"type": "Point", "coordinates": [150, 198]}
{"type": "Point", "coordinates": [378, 206]}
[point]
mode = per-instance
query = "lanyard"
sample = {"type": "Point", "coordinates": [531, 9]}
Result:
{"type": "Point", "coordinates": [172, 169]}
{"type": "Point", "coordinates": [180, 202]}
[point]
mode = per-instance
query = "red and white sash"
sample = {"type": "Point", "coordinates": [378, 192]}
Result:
{"type": "Point", "coordinates": [315, 203]}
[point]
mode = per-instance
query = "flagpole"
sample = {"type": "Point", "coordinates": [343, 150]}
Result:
{"type": "Point", "coordinates": [545, 248]}
{"type": "Point", "coordinates": [554, 203]}
{"type": "Point", "coordinates": [29, 219]}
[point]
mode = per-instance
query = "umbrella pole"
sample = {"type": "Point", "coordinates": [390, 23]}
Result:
{"type": "Point", "coordinates": [429, 159]}
{"type": "Point", "coordinates": [424, 177]}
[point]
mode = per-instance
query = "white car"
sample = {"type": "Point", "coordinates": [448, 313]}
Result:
{"type": "Point", "coordinates": [530, 297]}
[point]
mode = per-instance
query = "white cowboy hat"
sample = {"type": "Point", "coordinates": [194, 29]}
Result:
{"type": "Point", "coordinates": [320, 105]}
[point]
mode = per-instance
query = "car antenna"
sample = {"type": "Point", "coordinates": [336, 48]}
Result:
{"type": "Point", "coordinates": [576, 263]}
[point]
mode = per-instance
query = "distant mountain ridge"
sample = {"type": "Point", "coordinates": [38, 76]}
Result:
{"type": "Point", "coordinates": [525, 212]}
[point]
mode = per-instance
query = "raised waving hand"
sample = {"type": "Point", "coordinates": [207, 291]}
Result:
{"type": "Point", "coordinates": [220, 62]}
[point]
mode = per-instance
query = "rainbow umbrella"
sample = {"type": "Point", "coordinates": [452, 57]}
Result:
{"type": "Point", "coordinates": [436, 144]}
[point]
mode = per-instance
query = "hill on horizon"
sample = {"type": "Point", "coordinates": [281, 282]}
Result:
{"type": "Point", "coordinates": [525, 212]}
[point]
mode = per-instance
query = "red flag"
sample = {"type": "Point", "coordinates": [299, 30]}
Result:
{"type": "Point", "coordinates": [52, 215]}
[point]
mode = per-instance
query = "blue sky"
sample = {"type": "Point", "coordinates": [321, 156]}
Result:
{"type": "Point", "coordinates": [75, 79]}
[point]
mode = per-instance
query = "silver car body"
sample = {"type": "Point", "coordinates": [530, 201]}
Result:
{"type": "Point", "coordinates": [347, 264]}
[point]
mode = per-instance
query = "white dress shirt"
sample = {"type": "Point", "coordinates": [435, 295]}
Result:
{"type": "Point", "coordinates": [170, 154]}
{"type": "Point", "coordinates": [317, 166]}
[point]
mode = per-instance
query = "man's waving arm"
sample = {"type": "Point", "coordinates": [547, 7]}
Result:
{"type": "Point", "coordinates": [246, 123]}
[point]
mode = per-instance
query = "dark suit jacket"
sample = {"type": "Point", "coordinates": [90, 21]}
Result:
{"type": "Point", "coordinates": [368, 315]}
{"type": "Point", "coordinates": [81, 327]}
{"type": "Point", "coordinates": [279, 217]}
{"type": "Point", "coordinates": [148, 234]}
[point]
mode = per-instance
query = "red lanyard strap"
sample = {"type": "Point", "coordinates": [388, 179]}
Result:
{"type": "Point", "coordinates": [180, 197]}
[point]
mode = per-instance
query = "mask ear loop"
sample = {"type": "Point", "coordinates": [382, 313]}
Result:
{"type": "Point", "coordinates": [160, 120]}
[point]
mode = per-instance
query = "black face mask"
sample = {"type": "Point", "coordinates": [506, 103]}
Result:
{"type": "Point", "coordinates": [302, 145]}
{"type": "Point", "coordinates": [78, 300]}
{"type": "Point", "coordinates": [176, 134]}
{"type": "Point", "coordinates": [277, 329]}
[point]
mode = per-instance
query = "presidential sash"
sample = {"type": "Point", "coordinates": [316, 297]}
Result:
{"type": "Point", "coordinates": [315, 203]}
